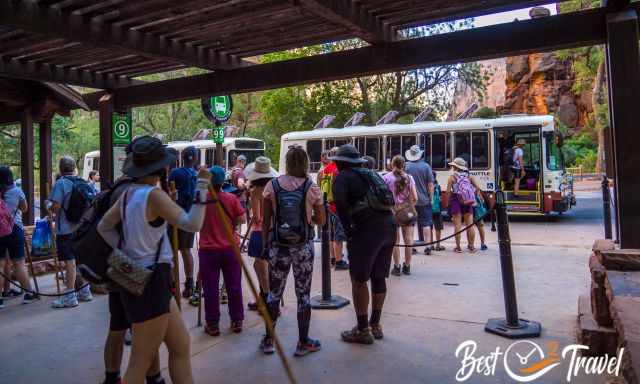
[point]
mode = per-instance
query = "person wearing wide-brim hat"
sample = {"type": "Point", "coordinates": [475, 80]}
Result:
{"type": "Point", "coordinates": [370, 241]}
{"type": "Point", "coordinates": [422, 173]}
{"type": "Point", "coordinates": [517, 166]}
{"type": "Point", "coordinates": [458, 211]}
{"type": "Point", "coordinates": [259, 173]}
{"type": "Point", "coordinates": [144, 211]}
{"type": "Point", "coordinates": [414, 153]}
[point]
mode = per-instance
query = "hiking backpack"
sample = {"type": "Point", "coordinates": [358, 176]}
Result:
{"type": "Point", "coordinates": [6, 219]}
{"type": "Point", "coordinates": [378, 196]}
{"type": "Point", "coordinates": [291, 227]}
{"type": "Point", "coordinates": [89, 247]}
{"type": "Point", "coordinates": [80, 199]}
{"type": "Point", "coordinates": [466, 190]}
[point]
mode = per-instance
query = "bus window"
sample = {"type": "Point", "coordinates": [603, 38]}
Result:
{"type": "Point", "coordinates": [359, 143]}
{"type": "Point", "coordinates": [555, 159]}
{"type": "Point", "coordinates": [332, 143]}
{"type": "Point", "coordinates": [373, 149]}
{"type": "Point", "coordinates": [314, 150]}
{"type": "Point", "coordinates": [479, 150]}
{"type": "Point", "coordinates": [96, 164]}
{"type": "Point", "coordinates": [407, 142]}
{"type": "Point", "coordinates": [439, 150]}
{"type": "Point", "coordinates": [463, 146]}
{"type": "Point", "coordinates": [209, 157]}
{"type": "Point", "coordinates": [394, 146]}
{"type": "Point", "coordinates": [425, 143]}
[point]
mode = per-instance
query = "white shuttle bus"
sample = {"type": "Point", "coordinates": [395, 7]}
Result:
{"type": "Point", "coordinates": [232, 148]}
{"type": "Point", "coordinates": [483, 143]}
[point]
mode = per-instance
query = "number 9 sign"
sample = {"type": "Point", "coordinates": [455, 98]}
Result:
{"type": "Point", "coordinates": [121, 126]}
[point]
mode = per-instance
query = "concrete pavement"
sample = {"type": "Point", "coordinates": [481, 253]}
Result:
{"type": "Point", "coordinates": [445, 302]}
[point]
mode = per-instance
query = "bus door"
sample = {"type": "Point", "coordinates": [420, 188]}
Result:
{"type": "Point", "coordinates": [529, 198]}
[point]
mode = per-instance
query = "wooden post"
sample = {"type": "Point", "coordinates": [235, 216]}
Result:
{"type": "Point", "coordinates": [105, 107]}
{"type": "Point", "coordinates": [26, 163]}
{"type": "Point", "coordinates": [46, 165]}
{"type": "Point", "coordinates": [624, 89]}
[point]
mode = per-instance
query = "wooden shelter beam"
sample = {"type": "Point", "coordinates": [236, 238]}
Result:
{"type": "Point", "coordinates": [351, 15]}
{"type": "Point", "coordinates": [623, 59]}
{"type": "Point", "coordinates": [28, 15]}
{"type": "Point", "coordinates": [538, 35]}
{"type": "Point", "coordinates": [26, 163]}
{"type": "Point", "coordinates": [46, 165]}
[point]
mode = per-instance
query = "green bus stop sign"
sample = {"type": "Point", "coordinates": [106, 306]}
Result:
{"type": "Point", "coordinates": [121, 128]}
{"type": "Point", "coordinates": [218, 134]}
{"type": "Point", "coordinates": [218, 109]}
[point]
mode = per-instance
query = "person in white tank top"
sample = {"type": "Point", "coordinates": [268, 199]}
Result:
{"type": "Point", "coordinates": [154, 315]}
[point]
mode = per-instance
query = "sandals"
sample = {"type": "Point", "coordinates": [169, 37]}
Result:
{"type": "Point", "coordinates": [472, 249]}
{"type": "Point", "coordinates": [457, 250]}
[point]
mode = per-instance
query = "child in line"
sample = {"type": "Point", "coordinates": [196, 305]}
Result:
{"type": "Point", "coordinates": [437, 212]}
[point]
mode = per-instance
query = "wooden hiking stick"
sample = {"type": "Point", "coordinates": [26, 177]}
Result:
{"type": "Point", "coordinates": [176, 262]}
{"type": "Point", "coordinates": [262, 308]}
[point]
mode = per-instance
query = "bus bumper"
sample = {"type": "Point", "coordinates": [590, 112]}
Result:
{"type": "Point", "coordinates": [555, 202]}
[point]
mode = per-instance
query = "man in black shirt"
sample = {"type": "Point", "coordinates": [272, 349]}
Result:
{"type": "Point", "coordinates": [370, 241]}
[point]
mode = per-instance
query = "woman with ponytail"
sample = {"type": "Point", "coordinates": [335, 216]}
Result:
{"type": "Point", "coordinates": [403, 187]}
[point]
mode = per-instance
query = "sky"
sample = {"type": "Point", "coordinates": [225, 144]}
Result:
{"type": "Point", "coordinates": [507, 17]}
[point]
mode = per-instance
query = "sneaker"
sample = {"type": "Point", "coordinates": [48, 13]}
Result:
{"type": "Point", "coordinates": [85, 295]}
{"type": "Point", "coordinates": [266, 345]}
{"type": "Point", "coordinates": [376, 331]}
{"type": "Point", "coordinates": [358, 336]}
{"type": "Point", "coordinates": [483, 247]}
{"type": "Point", "coordinates": [11, 294]}
{"type": "Point", "coordinates": [28, 298]}
{"type": "Point", "coordinates": [194, 300]}
{"type": "Point", "coordinates": [307, 347]}
{"type": "Point", "coordinates": [342, 265]}
{"type": "Point", "coordinates": [396, 271]}
{"type": "Point", "coordinates": [128, 337]}
{"type": "Point", "coordinates": [212, 329]}
{"type": "Point", "coordinates": [427, 251]}
{"type": "Point", "coordinates": [188, 289]}
{"type": "Point", "coordinates": [406, 269]}
{"type": "Point", "coordinates": [236, 326]}
{"type": "Point", "coordinates": [67, 301]}
{"type": "Point", "coordinates": [414, 251]}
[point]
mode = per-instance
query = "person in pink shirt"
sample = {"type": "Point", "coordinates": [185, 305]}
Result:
{"type": "Point", "coordinates": [403, 187]}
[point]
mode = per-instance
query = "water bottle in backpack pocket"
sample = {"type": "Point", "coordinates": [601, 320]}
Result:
{"type": "Point", "coordinates": [291, 225]}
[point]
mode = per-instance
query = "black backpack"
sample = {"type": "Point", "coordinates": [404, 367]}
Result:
{"type": "Point", "coordinates": [89, 247]}
{"type": "Point", "coordinates": [291, 227]}
{"type": "Point", "coordinates": [80, 199]}
{"type": "Point", "coordinates": [507, 158]}
{"type": "Point", "coordinates": [378, 197]}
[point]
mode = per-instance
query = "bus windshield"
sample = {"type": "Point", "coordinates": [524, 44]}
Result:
{"type": "Point", "coordinates": [555, 158]}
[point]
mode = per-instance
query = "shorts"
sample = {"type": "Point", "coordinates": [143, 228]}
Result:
{"type": "Point", "coordinates": [155, 301]}
{"type": "Point", "coordinates": [517, 173]}
{"type": "Point", "coordinates": [13, 244]}
{"type": "Point", "coordinates": [255, 246]}
{"type": "Point", "coordinates": [371, 247]}
{"type": "Point", "coordinates": [438, 225]}
{"type": "Point", "coordinates": [185, 239]}
{"type": "Point", "coordinates": [337, 230]}
{"type": "Point", "coordinates": [64, 247]}
{"type": "Point", "coordinates": [457, 208]}
{"type": "Point", "coordinates": [424, 215]}
{"type": "Point", "coordinates": [118, 321]}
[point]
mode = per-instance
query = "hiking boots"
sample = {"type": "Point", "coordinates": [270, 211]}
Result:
{"type": "Point", "coordinates": [358, 336]}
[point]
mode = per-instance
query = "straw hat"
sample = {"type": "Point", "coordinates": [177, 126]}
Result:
{"type": "Point", "coordinates": [260, 169]}
{"type": "Point", "coordinates": [414, 153]}
{"type": "Point", "coordinates": [459, 163]}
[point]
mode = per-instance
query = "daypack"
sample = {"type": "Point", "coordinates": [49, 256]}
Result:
{"type": "Point", "coordinates": [291, 227]}
{"type": "Point", "coordinates": [466, 190]}
{"type": "Point", "coordinates": [378, 196]}
{"type": "Point", "coordinates": [89, 247]}
{"type": "Point", "coordinates": [80, 199]}
{"type": "Point", "coordinates": [187, 193]}
{"type": "Point", "coordinates": [436, 200]}
{"type": "Point", "coordinates": [6, 219]}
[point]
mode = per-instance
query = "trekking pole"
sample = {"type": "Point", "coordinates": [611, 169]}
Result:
{"type": "Point", "coordinates": [261, 304]}
{"type": "Point", "coordinates": [176, 262]}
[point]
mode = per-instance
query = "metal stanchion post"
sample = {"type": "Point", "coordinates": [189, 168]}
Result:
{"type": "Point", "coordinates": [606, 207]}
{"type": "Point", "coordinates": [327, 300]}
{"type": "Point", "coordinates": [511, 327]}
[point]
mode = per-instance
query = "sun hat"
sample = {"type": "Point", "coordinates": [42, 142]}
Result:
{"type": "Point", "coordinates": [459, 163]}
{"type": "Point", "coordinates": [260, 169]}
{"type": "Point", "coordinates": [146, 155]}
{"type": "Point", "coordinates": [349, 154]}
{"type": "Point", "coordinates": [414, 153]}
{"type": "Point", "coordinates": [521, 142]}
{"type": "Point", "coordinates": [241, 158]}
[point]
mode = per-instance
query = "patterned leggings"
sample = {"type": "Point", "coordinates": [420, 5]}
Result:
{"type": "Point", "coordinates": [281, 259]}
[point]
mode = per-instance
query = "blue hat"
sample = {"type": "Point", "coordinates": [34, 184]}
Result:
{"type": "Point", "coordinates": [217, 175]}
